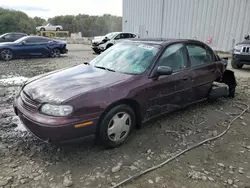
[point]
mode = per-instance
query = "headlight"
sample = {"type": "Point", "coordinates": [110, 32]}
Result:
{"type": "Point", "coordinates": [238, 47]}
{"type": "Point", "coordinates": [56, 110]}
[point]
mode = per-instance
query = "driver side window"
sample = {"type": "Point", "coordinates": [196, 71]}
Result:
{"type": "Point", "coordinates": [174, 56]}
{"type": "Point", "coordinates": [118, 37]}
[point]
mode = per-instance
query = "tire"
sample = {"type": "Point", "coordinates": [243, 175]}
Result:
{"type": "Point", "coordinates": [113, 137]}
{"type": "Point", "coordinates": [6, 54]}
{"type": "Point", "coordinates": [235, 63]}
{"type": "Point", "coordinates": [58, 29]}
{"type": "Point", "coordinates": [108, 46]}
{"type": "Point", "coordinates": [96, 51]}
{"type": "Point", "coordinates": [218, 92]}
{"type": "Point", "coordinates": [55, 53]}
{"type": "Point", "coordinates": [42, 29]}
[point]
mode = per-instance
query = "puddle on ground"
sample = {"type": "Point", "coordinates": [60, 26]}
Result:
{"type": "Point", "coordinates": [12, 81]}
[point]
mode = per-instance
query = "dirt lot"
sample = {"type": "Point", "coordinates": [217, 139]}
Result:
{"type": "Point", "coordinates": [27, 162]}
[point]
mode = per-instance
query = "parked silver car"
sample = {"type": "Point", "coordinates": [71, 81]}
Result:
{"type": "Point", "coordinates": [49, 27]}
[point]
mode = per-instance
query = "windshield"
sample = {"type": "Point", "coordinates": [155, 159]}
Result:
{"type": "Point", "coordinates": [126, 58]}
{"type": "Point", "coordinates": [110, 35]}
{"type": "Point", "coordinates": [2, 35]}
{"type": "Point", "coordinates": [19, 40]}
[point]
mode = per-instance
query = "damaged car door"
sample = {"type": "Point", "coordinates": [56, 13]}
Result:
{"type": "Point", "coordinates": [168, 93]}
{"type": "Point", "coordinates": [202, 68]}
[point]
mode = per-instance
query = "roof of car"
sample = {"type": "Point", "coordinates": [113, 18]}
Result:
{"type": "Point", "coordinates": [162, 41]}
{"type": "Point", "coordinates": [16, 33]}
{"type": "Point", "coordinates": [37, 37]}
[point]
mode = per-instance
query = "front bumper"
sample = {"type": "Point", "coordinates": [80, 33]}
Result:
{"type": "Point", "coordinates": [64, 51]}
{"type": "Point", "coordinates": [56, 133]}
{"type": "Point", "coordinates": [245, 58]}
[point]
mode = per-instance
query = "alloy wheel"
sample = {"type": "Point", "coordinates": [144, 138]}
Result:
{"type": "Point", "coordinates": [55, 53]}
{"type": "Point", "coordinates": [6, 55]}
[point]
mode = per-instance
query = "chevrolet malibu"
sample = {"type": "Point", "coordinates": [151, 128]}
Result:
{"type": "Point", "coordinates": [127, 85]}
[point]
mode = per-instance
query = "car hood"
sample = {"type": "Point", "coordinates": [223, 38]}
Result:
{"type": "Point", "coordinates": [97, 39]}
{"type": "Point", "coordinates": [6, 43]}
{"type": "Point", "coordinates": [244, 42]}
{"type": "Point", "coordinates": [65, 84]}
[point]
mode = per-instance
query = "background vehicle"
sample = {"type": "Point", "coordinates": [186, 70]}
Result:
{"type": "Point", "coordinates": [130, 83]}
{"type": "Point", "coordinates": [100, 44]}
{"type": "Point", "coordinates": [241, 54]}
{"type": "Point", "coordinates": [30, 47]}
{"type": "Point", "coordinates": [49, 27]}
{"type": "Point", "coordinates": [11, 37]}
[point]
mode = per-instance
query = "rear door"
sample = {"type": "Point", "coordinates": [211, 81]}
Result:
{"type": "Point", "coordinates": [169, 93]}
{"type": "Point", "coordinates": [202, 69]}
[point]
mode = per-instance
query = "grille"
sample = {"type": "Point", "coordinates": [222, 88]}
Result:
{"type": "Point", "coordinates": [28, 103]}
{"type": "Point", "coordinates": [95, 44]}
{"type": "Point", "coordinates": [246, 49]}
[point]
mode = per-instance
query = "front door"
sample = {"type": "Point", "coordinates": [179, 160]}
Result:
{"type": "Point", "coordinates": [32, 47]}
{"type": "Point", "coordinates": [169, 93]}
{"type": "Point", "coordinates": [202, 70]}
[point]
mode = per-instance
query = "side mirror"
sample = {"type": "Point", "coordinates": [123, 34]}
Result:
{"type": "Point", "coordinates": [23, 42]}
{"type": "Point", "coordinates": [247, 37]}
{"type": "Point", "coordinates": [163, 70]}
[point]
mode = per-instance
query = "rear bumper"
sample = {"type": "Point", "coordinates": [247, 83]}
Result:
{"type": "Point", "coordinates": [245, 58]}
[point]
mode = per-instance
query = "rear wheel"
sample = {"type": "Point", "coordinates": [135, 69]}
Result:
{"type": "Point", "coordinates": [116, 126]}
{"type": "Point", "coordinates": [57, 29]}
{"type": "Point", "coordinates": [42, 29]}
{"type": "Point", "coordinates": [55, 53]}
{"type": "Point", "coordinates": [6, 54]}
{"type": "Point", "coordinates": [236, 64]}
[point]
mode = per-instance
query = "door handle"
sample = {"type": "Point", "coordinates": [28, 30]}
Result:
{"type": "Point", "coordinates": [185, 78]}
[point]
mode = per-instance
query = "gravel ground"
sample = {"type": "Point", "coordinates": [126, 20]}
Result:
{"type": "Point", "coordinates": [27, 162]}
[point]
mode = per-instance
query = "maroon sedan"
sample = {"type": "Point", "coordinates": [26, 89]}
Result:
{"type": "Point", "coordinates": [127, 85]}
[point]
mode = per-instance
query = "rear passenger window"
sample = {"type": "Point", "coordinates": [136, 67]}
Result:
{"type": "Point", "coordinates": [126, 35]}
{"type": "Point", "coordinates": [199, 55]}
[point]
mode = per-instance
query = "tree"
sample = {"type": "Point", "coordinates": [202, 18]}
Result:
{"type": "Point", "coordinates": [18, 21]}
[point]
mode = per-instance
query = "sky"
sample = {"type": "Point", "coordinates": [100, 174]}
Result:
{"type": "Point", "coordinates": [51, 8]}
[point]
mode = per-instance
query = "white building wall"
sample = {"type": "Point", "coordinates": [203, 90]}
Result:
{"type": "Point", "coordinates": [225, 21]}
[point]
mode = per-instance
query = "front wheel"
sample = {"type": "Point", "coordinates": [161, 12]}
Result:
{"type": "Point", "coordinates": [97, 51]}
{"type": "Point", "coordinates": [236, 64]}
{"type": "Point", "coordinates": [55, 53]}
{"type": "Point", "coordinates": [58, 29]}
{"type": "Point", "coordinates": [116, 126]}
{"type": "Point", "coordinates": [42, 29]}
{"type": "Point", "coordinates": [6, 54]}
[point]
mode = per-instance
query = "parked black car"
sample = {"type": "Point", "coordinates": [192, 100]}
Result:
{"type": "Point", "coordinates": [241, 54]}
{"type": "Point", "coordinates": [11, 37]}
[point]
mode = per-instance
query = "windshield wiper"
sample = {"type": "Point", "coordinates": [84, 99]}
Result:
{"type": "Point", "coordinates": [104, 68]}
